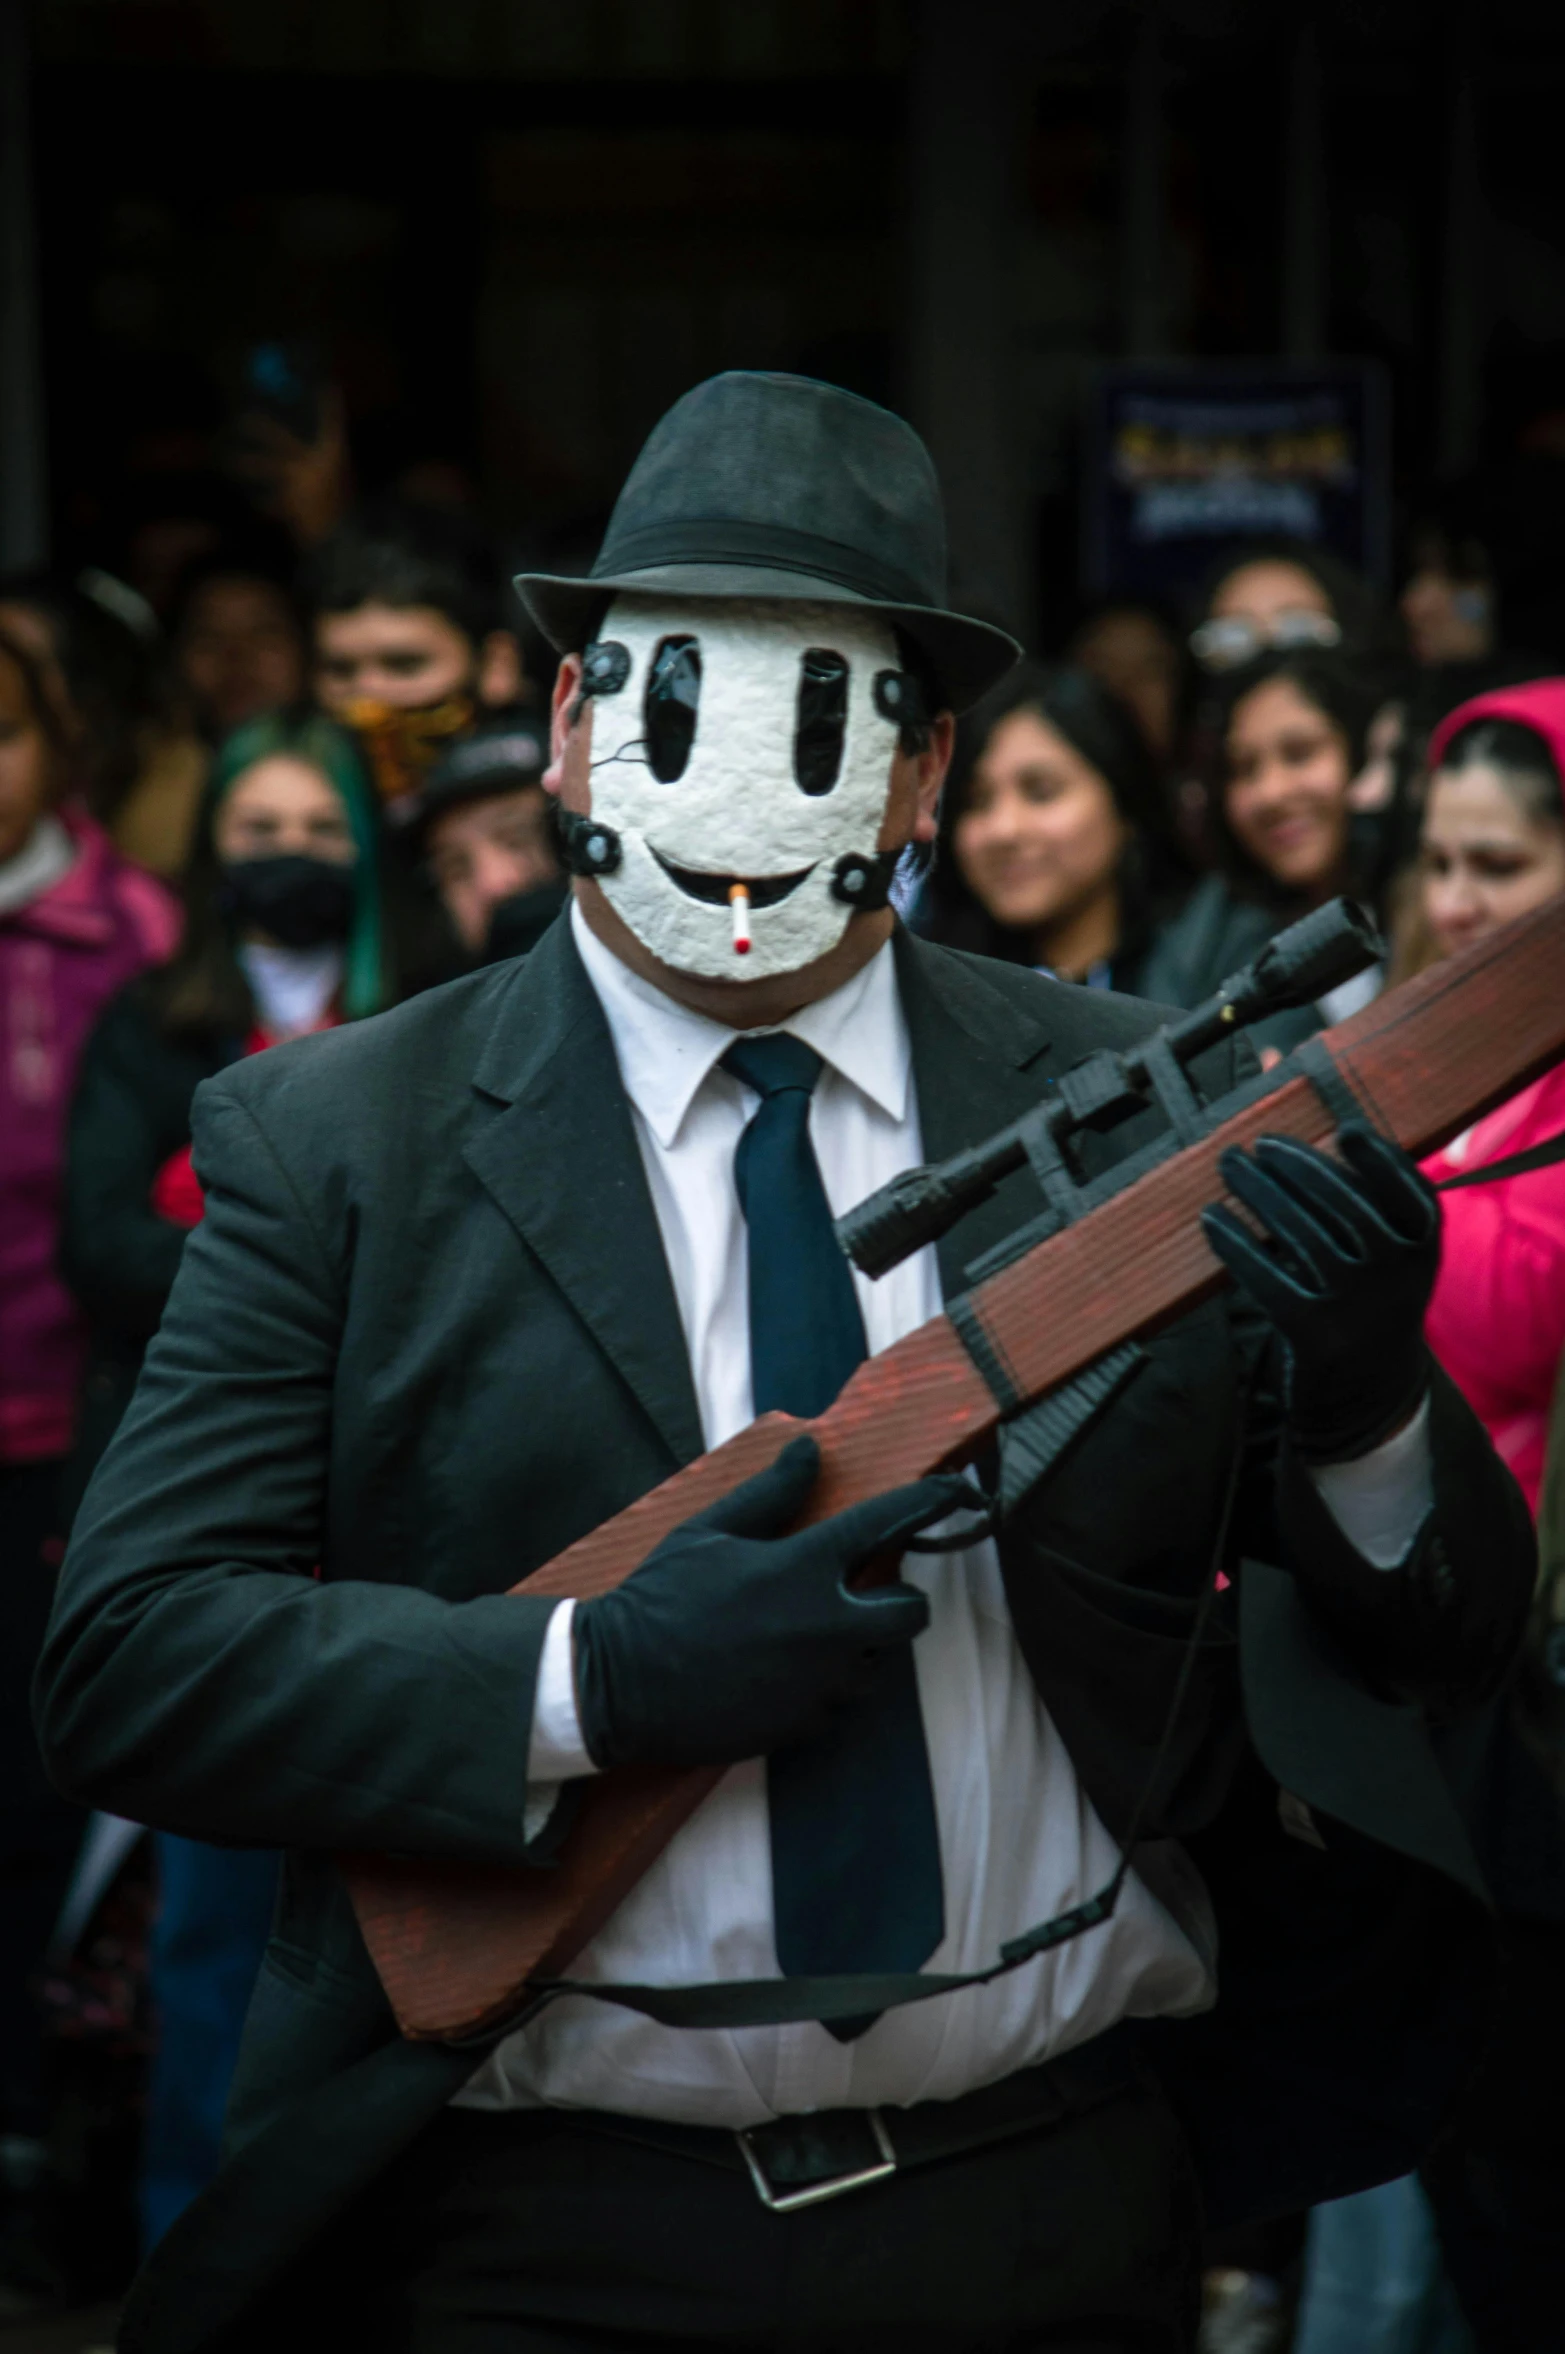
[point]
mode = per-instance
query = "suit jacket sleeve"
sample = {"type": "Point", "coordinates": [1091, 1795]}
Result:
{"type": "Point", "coordinates": [1442, 1628]}
{"type": "Point", "coordinates": [198, 1675]}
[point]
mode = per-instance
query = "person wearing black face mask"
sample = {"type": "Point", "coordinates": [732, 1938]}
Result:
{"type": "Point", "coordinates": [283, 935]}
{"type": "Point", "coordinates": [483, 828]}
{"type": "Point", "coordinates": [296, 899]}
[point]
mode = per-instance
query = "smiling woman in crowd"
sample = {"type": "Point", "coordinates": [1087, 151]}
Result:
{"type": "Point", "coordinates": [1494, 848]}
{"type": "Point", "coordinates": [1056, 847]}
{"type": "Point", "coordinates": [1291, 737]}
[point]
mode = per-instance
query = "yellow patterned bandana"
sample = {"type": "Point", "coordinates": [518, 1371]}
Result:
{"type": "Point", "coordinates": [401, 746]}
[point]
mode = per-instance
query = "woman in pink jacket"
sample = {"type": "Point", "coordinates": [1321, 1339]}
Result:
{"type": "Point", "coordinates": [76, 922]}
{"type": "Point", "coordinates": [1494, 847]}
{"type": "Point", "coordinates": [1484, 2218]}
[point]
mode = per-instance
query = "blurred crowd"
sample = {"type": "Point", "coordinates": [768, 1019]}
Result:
{"type": "Point", "coordinates": [282, 767]}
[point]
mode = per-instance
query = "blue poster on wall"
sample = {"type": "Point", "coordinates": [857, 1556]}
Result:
{"type": "Point", "coordinates": [1187, 460]}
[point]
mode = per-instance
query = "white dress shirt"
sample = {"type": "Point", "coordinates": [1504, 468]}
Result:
{"type": "Point", "coordinates": [1019, 1839]}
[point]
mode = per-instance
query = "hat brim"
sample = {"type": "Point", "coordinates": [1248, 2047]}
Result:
{"type": "Point", "coordinates": [969, 656]}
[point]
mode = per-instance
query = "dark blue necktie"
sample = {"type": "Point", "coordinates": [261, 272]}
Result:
{"type": "Point", "coordinates": [855, 1845]}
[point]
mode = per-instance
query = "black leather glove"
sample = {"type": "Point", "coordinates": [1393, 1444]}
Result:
{"type": "Point", "coordinates": [1345, 1271]}
{"type": "Point", "coordinates": [730, 1640]}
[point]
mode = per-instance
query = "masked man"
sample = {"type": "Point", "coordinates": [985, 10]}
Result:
{"type": "Point", "coordinates": [478, 1274]}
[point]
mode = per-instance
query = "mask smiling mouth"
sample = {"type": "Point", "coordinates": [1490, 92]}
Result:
{"type": "Point", "coordinates": [713, 890]}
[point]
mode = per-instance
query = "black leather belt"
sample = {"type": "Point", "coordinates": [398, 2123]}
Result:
{"type": "Point", "coordinates": [799, 2161]}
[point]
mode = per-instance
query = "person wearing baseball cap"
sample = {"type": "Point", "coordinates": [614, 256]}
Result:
{"type": "Point", "coordinates": [482, 826]}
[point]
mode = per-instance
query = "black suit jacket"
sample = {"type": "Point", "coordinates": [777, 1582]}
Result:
{"type": "Point", "coordinates": [426, 1337]}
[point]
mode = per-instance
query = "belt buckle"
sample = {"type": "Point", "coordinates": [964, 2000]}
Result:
{"type": "Point", "coordinates": [812, 2194]}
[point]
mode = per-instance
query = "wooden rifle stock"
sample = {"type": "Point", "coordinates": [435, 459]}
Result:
{"type": "Point", "coordinates": [456, 1945]}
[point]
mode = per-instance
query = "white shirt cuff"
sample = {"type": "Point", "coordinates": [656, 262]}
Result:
{"type": "Point", "coordinates": [1381, 1500]}
{"type": "Point", "coordinates": [556, 1752]}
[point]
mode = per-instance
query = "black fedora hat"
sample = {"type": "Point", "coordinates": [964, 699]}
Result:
{"type": "Point", "coordinates": [778, 486]}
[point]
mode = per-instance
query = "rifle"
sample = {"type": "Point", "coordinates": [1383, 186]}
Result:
{"type": "Point", "coordinates": [1030, 1352]}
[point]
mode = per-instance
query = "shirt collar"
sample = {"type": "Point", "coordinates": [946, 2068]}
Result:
{"type": "Point", "coordinates": [665, 1051]}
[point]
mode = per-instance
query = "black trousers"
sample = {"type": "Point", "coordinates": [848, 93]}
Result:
{"type": "Point", "coordinates": [540, 2234]}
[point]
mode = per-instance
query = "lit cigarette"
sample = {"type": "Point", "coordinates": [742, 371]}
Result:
{"type": "Point", "coordinates": [739, 901]}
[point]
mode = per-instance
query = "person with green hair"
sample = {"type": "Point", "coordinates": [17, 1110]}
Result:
{"type": "Point", "coordinates": [284, 933]}
{"type": "Point", "coordinates": [285, 856]}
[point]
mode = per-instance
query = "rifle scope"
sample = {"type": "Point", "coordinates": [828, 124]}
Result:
{"type": "Point", "coordinates": [1301, 964]}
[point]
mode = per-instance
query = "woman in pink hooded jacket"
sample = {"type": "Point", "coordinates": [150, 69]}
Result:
{"type": "Point", "coordinates": [1484, 2218]}
{"type": "Point", "coordinates": [76, 922]}
{"type": "Point", "coordinates": [1493, 847]}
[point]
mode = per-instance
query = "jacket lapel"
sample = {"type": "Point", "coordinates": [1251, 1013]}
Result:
{"type": "Point", "coordinates": [555, 1148]}
{"type": "Point", "coordinates": [979, 1061]}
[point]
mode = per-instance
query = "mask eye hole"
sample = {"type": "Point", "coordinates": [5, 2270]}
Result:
{"type": "Point", "coordinates": [823, 719]}
{"type": "Point", "coordinates": [673, 697]}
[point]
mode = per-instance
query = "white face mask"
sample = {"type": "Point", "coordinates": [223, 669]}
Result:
{"type": "Point", "coordinates": [725, 756]}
